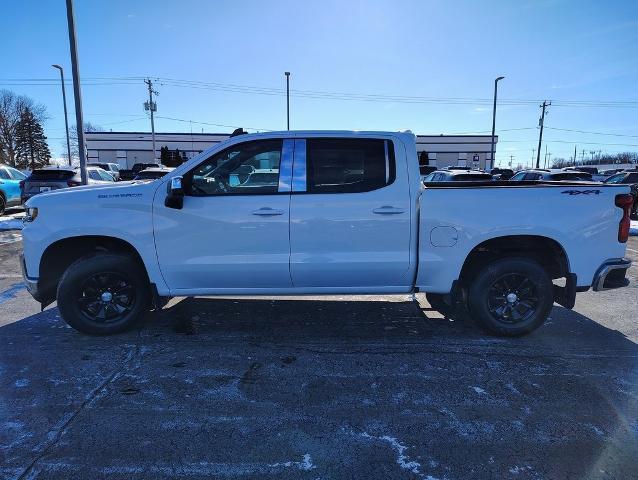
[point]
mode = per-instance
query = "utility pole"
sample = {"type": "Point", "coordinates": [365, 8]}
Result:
{"type": "Point", "coordinates": [545, 161]}
{"type": "Point", "coordinates": [582, 157]}
{"type": "Point", "coordinates": [574, 155]}
{"type": "Point", "coordinates": [494, 117]}
{"type": "Point", "coordinates": [77, 93]}
{"type": "Point", "coordinates": [287, 74]}
{"type": "Point", "coordinates": [592, 152]}
{"type": "Point", "coordinates": [540, 137]}
{"type": "Point", "coordinates": [549, 160]}
{"type": "Point", "coordinates": [511, 159]}
{"type": "Point", "coordinates": [152, 107]}
{"type": "Point", "coordinates": [532, 164]}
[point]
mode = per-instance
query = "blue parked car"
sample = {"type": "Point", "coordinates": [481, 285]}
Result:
{"type": "Point", "coordinates": [10, 187]}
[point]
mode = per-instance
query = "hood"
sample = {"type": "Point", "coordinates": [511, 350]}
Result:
{"type": "Point", "coordinates": [93, 193]}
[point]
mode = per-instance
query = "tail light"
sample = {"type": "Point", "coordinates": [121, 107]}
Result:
{"type": "Point", "coordinates": [624, 201]}
{"type": "Point", "coordinates": [73, 183]}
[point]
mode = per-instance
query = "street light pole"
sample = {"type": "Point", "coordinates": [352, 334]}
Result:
{"type": "Point", "coordinates": [77, 93]}
{"type": "Point", "coordinates": [287, 100]}
{"type": "Point", "coordinates": [66, 120]}
{"type": "Point", "coordinates": [494, 117]}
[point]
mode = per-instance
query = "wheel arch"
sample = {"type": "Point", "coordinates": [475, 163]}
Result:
{"type": "Point", "coordinates": [547, 251]}
{"type": "Point", "coordinates": [59, 255]}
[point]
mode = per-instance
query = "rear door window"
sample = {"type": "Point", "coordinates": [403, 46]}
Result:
{"type": "Point", "coordinates": [4, 174]}
{"type": "Point", "coordinates": [349, 165]}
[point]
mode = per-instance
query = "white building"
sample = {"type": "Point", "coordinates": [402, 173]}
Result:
{"type": "Point", "coordinates": [128, 148]}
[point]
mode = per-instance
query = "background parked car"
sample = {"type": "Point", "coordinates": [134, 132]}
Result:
{"type": "Point", "coordinates": [112, 168]}
{"type": "Point", "coordinates": [53, 178]}
{"type": "Point", "coordinates": [554, 175]}
{"type": "Point", "coordinates": [137, 168]}
{"type": "Point", "coordinates": [501, 173]}
{"type": "Point", "coordinates": [628, 177]}
{"type": "Point", "coordinates": [10, 187]}
{"type": "Point", "coordinates": [610, 172]}
{"type": "Point", "coordinates": [458, 176]}
{"type": "Point", "coordinates": [153, 173]}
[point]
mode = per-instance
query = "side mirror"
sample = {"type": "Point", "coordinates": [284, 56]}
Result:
{"type": "Point", "coordinates": [175, 194]}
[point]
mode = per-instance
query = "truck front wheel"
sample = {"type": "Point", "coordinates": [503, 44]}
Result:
{"type": "Point", "coordinates": [511, 296]}
{"type": "Point", "coordinates": [103, 293]}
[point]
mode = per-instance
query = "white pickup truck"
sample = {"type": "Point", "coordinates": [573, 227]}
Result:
{"type": "Point", "coordinates": [323, 212]}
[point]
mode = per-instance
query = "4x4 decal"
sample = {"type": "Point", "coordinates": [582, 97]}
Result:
{"type": "Point", "coordinates": [581, 192]}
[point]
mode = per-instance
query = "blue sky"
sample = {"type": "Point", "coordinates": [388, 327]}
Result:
{"type": "Point", "coordinates": [430, 51]}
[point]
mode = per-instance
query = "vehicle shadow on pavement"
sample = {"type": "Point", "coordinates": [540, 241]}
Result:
{"type": "Point", "coordinates": [365, 321]}
{"type": "Point", "coordinates": [305, 388]}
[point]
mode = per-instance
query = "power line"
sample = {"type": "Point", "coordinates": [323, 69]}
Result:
{"type": "Point", "coordinates": [320, 94]}
{"type": "Point", "coordinates": [591, 133]}
{"type": "Point", "coordinates": [214, 124]}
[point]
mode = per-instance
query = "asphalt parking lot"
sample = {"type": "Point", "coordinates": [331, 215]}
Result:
{"type": "Point", "coordinates": [354, 387]}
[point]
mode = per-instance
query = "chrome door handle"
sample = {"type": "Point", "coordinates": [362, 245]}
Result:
{"type": "Point", "coordinates": [388, 210]}
{"type": "Point", "coordinates": [268, 212]}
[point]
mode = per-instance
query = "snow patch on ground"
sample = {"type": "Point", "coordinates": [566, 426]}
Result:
{"type": "Point", "coordinates": [479, 390]}
{"type": "Point", "coordinates": [305, 464]}
{"type": "Point", "coordinates": [403, 460]}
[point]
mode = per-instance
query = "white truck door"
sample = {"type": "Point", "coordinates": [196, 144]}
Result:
{"type": "Point", "coordinates": [232, 232]}
{"type": "Point", "coordinates": [349, 213]}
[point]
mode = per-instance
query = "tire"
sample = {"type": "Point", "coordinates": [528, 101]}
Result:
{"type": "Point", "coordinates": [501, 293]}
{"type": "Point", "coordinates": [3, 204]}
{"type": "Point", "coordinates": [103, 294]}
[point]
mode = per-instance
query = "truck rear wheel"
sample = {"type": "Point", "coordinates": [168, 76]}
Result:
{"type": "Point", "coordinates": [511, 296]}
{"type": "Point", "coordinates": [103, 294]}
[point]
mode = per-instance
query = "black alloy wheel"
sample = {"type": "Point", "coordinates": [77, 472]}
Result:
{"type": "Point", "coordinates": [106, 297]}
{"type": "Point", "coordinates": [512, 298]}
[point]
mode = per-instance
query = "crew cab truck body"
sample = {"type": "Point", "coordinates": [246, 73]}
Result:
{"type": "Point", "coordinates": [346, 214]}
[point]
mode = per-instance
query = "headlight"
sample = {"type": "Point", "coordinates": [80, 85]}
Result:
{"type": "Point", "coordinates": [32, 213]}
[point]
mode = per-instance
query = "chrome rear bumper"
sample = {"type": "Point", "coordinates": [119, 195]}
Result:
{"type": "Point", "coordinates": [611, 274]}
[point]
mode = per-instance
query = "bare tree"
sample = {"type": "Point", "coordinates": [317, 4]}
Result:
{"type": "Point", "coordinates": [73, 135]}
{"type": "Point", "coordinates": [11, 108]}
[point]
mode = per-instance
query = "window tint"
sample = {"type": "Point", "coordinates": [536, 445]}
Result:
{"type": "Point", "coordinates": [472, 177]}
{"type": "Point", "coordinates": [533, 176]}
{"type": "Point", "coordinates": [632, 178]}
{"type": "Point", "coordinates": [348, 165]}
{"type": "Point", "coordinates": [244, 169]}
{"type": "Point", "coordinates": [4, 174]}
{"type": "Point", "coordinates": [518, 176]}
{"type": "Point", "coordinates": [52, 174]}
{"type": "Point", "coordinates": [94, 175]}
